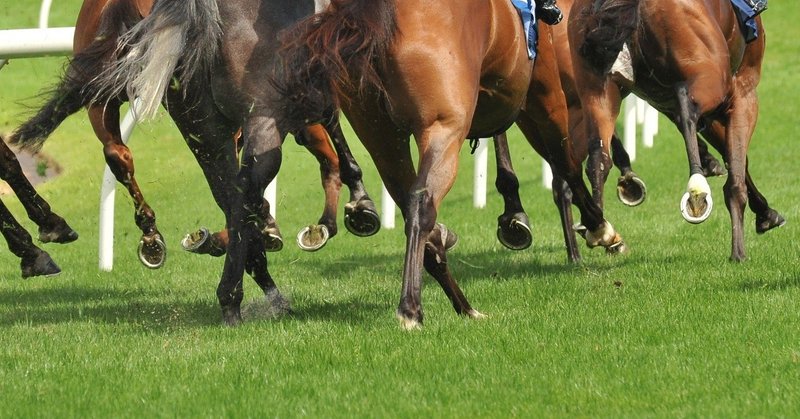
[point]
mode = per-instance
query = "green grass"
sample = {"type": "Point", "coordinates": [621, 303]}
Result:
{"type": "Point", "coordinates": [671, 329]}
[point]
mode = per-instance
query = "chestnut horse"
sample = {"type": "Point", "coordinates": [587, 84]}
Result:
{"type": "Point", "coordinates": [441, 71]}
{"type": "Point", "coordinates": [513, 227]}
{"type": "Point", "coordinates": [698, 70]}
{"type": "Point", "coordinates": [52, 228]}
{"type": "Point", "coordinates": [97, 30]}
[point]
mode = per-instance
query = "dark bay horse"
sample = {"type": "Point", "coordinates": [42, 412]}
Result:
{"type": "Point", "coordinates": [220, 57]}
{"type": "Point", "coordinates": [99, 26]}
{"type": "Point", "coordinates": [52, 228]}
{"type": "Point", "coordinates": [697, 69]}
{"type": "Point", "coordinates": [440, 71]}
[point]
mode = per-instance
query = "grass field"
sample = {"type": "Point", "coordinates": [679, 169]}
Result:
{"type": "Point", "coordinates": [670, 330]}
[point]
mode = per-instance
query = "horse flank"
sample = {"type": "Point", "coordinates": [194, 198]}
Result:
{"type": "Point", "coordinates": [608, 25]}
{"type": "Point", "coordinates": [178, 35]}
{"type": "Point", "coordinates": [334, 54]}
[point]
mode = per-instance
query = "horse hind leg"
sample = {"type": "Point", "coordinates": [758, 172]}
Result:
{"type": "Point", "coordinates": [696, 204]}
{"type": "Point", "coordinates": [33, 260]}
{"type": "Point", "coordinates": [52, 227]}
{"type": "Point", "coordinates": [105, 121]}
{"type": "Point", "coordinates": [513, 225]}
{"type": "Point", "coordinates": [313, 237]}
{"type": "Point", "coordinates": [360, 213]}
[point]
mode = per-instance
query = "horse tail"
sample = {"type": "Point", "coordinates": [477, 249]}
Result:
{"type": "Point", "coordinates": [179, 36]}
{"type": "Point", "coordinates": [69, 94]}
{"type": "Point", "coordinates": [334, 54]}
{"type": "Point", "coordinates": [607, 26]}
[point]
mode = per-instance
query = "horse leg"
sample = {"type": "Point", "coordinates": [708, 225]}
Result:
{"type": "Point", "coordinates": [105, 121]}
{"type": "Point", "coordinates": [52, 228]}
{"type": "Point", "coordinates": [418, 197]}
{"type": "Point", "coordinates": [211, 138]}
{"type": "Point", "coordinates": [600, 108]}
{"type": "Point", "coordinates": [711, 166]}
{"type": "Point", "coordinates": [33, 261]}
{"type": "Point", "coordinates": [513, 226]}
{"type": "Point", "coordinates": [260, 161]}
{"type": "Point", "coordinates": [696, 203]}
{"type": "Point", "coordinates": [766, 217]}
{"type": "Point", "coordinates": [631, 189]}
{"type": "Point", "coordinates": [316, 140]}
{"type": "Point", "coordinates": [360, 214]}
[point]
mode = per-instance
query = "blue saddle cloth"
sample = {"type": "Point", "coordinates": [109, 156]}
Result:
{"type": "Point", "coordinates": [747, 19]}
{"type": "Point", "coordinates": [527, 12]}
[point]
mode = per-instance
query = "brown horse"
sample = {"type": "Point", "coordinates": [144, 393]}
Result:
{"type": "Point", "coordinates": [440, 71]}
{"type": "Point", "coordinates": [513, 227]}
{"type": "Point", "coordinates": [698, 70]}
{"type": "Point", "coordinates": [52, 228]}
{"type": "Point", "coordinates": [99, 26]}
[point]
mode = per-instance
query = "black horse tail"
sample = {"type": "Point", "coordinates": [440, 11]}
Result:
{"type": "Point", "coordinates": [608, 25]}
{"type": "Point", "coordinates": [336, 53]}
{"type": "Point", "coordinates": [69, 95]}
{"type": "Point", "coordinates": [178, 37]}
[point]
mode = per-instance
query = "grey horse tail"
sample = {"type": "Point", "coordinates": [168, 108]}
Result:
{"type": "Point", "coordinates": [609, 24]}
{"type": "Point", "coordinates": [179, 38]}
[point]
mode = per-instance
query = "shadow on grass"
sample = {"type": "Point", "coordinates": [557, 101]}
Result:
{"type": "Point", "coordinates": [770, 285]}
{"type": "Point", "coordinates": [145, 310]}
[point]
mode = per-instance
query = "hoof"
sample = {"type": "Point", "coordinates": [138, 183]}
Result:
{"type": "Point", "coordinates": [604, 236]}
{"type": "Point", "coordinates": [696, 208]}
{"type": "Point", "coordinates": [475, 314]}
{"type": "Point", "coordinates": [272, 306]}
{"type": "Point", "coordinates": [62, 233]}
{"type": "Point", "coordinates": [713, 168]}
{"type": "Point", "coordinates": [631, 190]}
{"type": "Point", "coordinates": [407, 323]}
{"type": "Point", "coordinates": [442, 234]}
{"type": "Point", "coordinates": [361, 218]}
{"type": "Point", "coordinates": [232, 316]}
{"type": "Point", "coordinates": [516, 233]}
{"type": "Point", "coordinates": [769, 221]}
{"type": "Point", "coordinates": [696, 203]}
{"type": "Point", "coordinates": [41, 265]}
{"type": "Point", "coordinates": [313, 237]}
{"type": "Point", "coordinates": [202, 243]}
{"type": "Point", "coordinates": [273, 242]}
{"type": "Point", "coordinates": [617, 248]}
{"type": "Point", "coordinates": [152, 251]}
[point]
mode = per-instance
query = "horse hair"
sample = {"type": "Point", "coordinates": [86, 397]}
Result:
{"type": "Point", "coordinates": [341, 51]}
{"type": "Point", "coordinates": [609, 24]}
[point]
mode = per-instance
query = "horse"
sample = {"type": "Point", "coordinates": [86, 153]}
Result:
{"type": "Point", "coordinates": [98, 27]}
{"type": "Point", "coordinates": [698, 70]}
{"type": "Point", "coordinates": [442, 71]}
{"type": "Point", "coordinates": [213, 62]}
{"type": "Point", "coordinates": [52, 228]}
{"type": "Point", "coordinates": [513, 226]}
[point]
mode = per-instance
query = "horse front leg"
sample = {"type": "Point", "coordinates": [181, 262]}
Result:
{"type": "Point", "coordinates": [631, 189]}
{"type": "Point", "coordinates": [52, 228]}
{"type": "Point", "coordinates": [105, 121]}
{"type": "Point", "coordinates": [360, 213]}
{"type": "Point", "coordinates": [513, 225]}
